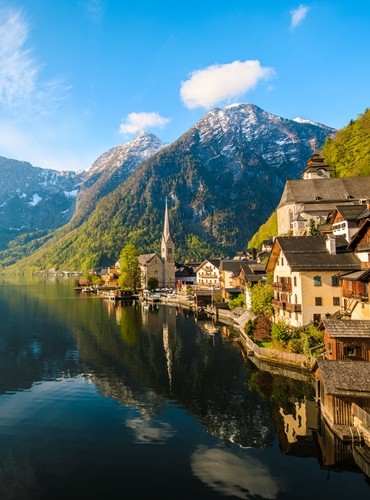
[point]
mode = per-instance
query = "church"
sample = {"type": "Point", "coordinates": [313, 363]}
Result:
{"type": "Point", "coordinates": [160, 267]}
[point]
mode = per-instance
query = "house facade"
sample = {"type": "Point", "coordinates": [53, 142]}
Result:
{"type": "Point", "coordinates": [306, 277]}
{"type": "Point", "coordinates": [346, 339]}
{"type": "Point", "coordinates": [208, 273]}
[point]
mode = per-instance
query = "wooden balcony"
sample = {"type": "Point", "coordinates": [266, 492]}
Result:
{"type": "Point", "coordinates": [362, 296]}
{"type": "Point", "coordinates": [282, 287]}
{"type": "Point", "coordinates": [278, 303]}
{"type": "Point", "coordinates": [293, 307]}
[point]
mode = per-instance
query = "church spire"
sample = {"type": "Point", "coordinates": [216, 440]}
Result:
{"type": "Point", "coordinates": [168, 252]}
{"type": "Point", "coordinates": [166, 228]}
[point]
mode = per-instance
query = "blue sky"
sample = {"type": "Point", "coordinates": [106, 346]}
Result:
{"type": "Point", "coordinates": [78, 77]}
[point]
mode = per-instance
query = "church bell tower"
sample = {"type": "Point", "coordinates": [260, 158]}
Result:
{"type": "Point", "coordinates": [168, 253]}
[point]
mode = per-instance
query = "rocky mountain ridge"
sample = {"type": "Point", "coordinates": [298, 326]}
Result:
{"type": "Point", "coordinates": [222, 178]}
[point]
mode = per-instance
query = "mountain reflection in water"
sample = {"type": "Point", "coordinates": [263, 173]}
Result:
{"type": "Point", "coordinates": [104, 400]}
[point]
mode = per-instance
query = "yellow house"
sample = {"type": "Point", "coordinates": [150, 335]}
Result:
{"type": "Point", "coordinates": [306, 277]}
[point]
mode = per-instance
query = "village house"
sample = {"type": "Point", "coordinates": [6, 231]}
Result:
{"type": "Point", "coordinates": [316, 195]}
{"type": "Point", "coordinates": [250, 273]}
{"type": "Point", "coordinates": [208, 273]}
{"type": "Point", "coordinates": [343, 393]}
{"type": "Point", "coordinates": [306, 277]}
{"type": "Point", "coordinates": [228, 270]}
{"type": "Point", "coordinates": [356, 285]}
{"type": "Point", "coordinates": [346, 219]}
{"type": "Point", "coordinates": [346, 339]}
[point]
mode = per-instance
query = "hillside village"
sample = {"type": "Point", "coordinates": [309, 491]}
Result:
{"type": "Point", "coordinates": [319, 268]}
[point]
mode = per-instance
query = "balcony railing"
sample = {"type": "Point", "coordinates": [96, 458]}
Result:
{"type": "Point", "coordinates": [278, 303]}
{"type": "Point", "coordinates": [282, 287]}
{"type": "Point", "coordinates": [293, 307]}
{"type": "Point", "coordinates": [363, 296]}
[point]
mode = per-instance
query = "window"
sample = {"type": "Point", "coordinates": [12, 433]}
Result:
{"type": "Point", "coordinates": [317, 280]}
{"type": "Point", "coordinates": [282, 261]}
{"type": "Point", "coordinates": [351, 351]}
{"type": "Point", "coordinates": [316, 319]}
{"type": "Point", "coordinates": [336, 301]}
{"type": "Point", "coordinates": [295, 280]}
{"type": "Point", "coordinates": [318, 301]}
{"type": "Point", "coordinates": [335, 281]}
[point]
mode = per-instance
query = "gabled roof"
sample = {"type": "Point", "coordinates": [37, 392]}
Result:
{"type": "Point", "coordinates": [349, 212]}
{"type": "Point", "coordinates": [327, 190]}
{"type": "Point", "coordinates": [309, 253]}
{"type": "Point", "coordinates": [356, 238]}
{"type": "Point", "coordinates": [346, 378]}
{"type": "Point", "coordinates": [214, 262]}
{"type": "Point", "coordinates": [347, 328]}
{"type": "Point", "coordinates": [362, 275]}
{"type": "Point", "coordinates": [146, 258]}
{"type": "Point", "coordinates": [232, 266]}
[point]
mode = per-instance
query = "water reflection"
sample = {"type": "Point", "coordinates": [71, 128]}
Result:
{"type": "Point", "coordinates": [87, 374]}
{"type": "Point", "coordinates": [234, 476]}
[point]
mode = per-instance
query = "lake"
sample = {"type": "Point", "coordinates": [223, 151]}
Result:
{"type": "Point", "coordinates": [103, 400]}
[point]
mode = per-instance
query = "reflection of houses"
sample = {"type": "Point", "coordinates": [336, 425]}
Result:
{"type": "Point", "coordinates": [343, 390]}
{"type": "Point", "coordinates": [317, 195]}
{"type": "Point", "coordinates": [346, 339]}
{"type": "Point", "coordinates": [208, 273]}
{"type": "Point", "coordinates": [294, 429]}
{"type": "Point", "coordinates": [307, 271]}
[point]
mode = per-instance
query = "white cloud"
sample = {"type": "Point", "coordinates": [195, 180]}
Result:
{"type": "Point", "coordinates": [20, 82]}
{"type": "Point", "coordinates": [135, 122]}
{"type": "Point", "coordinates": [224, 82]}
{"type": "Point", "coordinates": [298, 15]}
{"type": "Point", "coordinates": [19, 69]}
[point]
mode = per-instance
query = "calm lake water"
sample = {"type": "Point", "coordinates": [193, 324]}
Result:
{"type": "Point", "coordinates": [108, 401]}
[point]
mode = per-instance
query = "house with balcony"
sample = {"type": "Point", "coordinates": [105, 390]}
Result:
{"type": "Point", "coordinates": [208, 273]}
{"type": "Point", "coordinates": [356, 285]}
{"type": "Point", "coordinates": [307, 273]}
{"type": "Point", "coordinates": [346, 219]}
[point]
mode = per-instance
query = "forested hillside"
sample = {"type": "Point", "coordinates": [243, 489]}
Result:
{"type": "Point", "coordinates": [348, 152]}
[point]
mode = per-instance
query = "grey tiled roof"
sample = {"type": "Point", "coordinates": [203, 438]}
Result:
{"type": "Point", "coordinates": [347, 328]}
{"type": "Point", "coordinates": [346, 378]}
{"type": "Point", "coordinates": [327, 190]}
{"type": "Point", "coordinates": [310, 253]}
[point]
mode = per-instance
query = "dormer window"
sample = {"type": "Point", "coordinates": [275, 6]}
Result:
{"type": "Point", "coordinates": [349, 196]}
{"type": "Point", "coordinates": [318, 198]}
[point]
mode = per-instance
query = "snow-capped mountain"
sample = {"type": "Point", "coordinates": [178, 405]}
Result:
{"type": "Point", "coordinates": [112, 168]}
{"type": "Point", "coordinates": [33, 198]}
{"type": "Point", "coordinates": [281, 143]}
{"type": "Point", "coordinates": [223, 178]}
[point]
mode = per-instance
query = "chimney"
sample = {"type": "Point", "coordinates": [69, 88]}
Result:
{"type": "Point", "coordinates": [331, 246]}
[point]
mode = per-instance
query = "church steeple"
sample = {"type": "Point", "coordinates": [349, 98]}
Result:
{"type": "Point", "coordinates": [166, 228]}
{"type": "Point", "coordinates": [168, 252]}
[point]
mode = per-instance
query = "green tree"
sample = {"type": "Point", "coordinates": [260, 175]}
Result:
{"type": "Point", "coordinates": [261, 297]}
{"type": "Point", "coordinates": [152, 283]}
{"type": "Point", "coordinates": [130, 270]}
{"type": "Point", "coordinates": [313, 231]}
